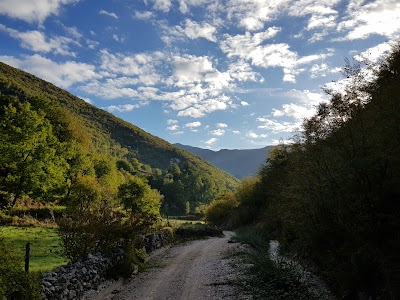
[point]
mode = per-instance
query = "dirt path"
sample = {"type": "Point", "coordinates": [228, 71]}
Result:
{"type": "Point", "coordinates": [197, 270]}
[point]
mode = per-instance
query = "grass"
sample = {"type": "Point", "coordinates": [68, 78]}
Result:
{"type": "Point", "coordinates": [46, 251]}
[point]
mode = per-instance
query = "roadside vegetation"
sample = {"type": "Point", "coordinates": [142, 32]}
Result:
{"type": "Point", "coordinates": [332, 197]}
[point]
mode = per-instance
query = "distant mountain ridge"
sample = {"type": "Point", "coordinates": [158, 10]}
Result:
{"type": "Point", "coordinates": [239, 163]}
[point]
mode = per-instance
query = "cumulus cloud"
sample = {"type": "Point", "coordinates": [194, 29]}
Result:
{"type": "Point", "coordinates": [293, 110]}
{"type": "Point", "coordinates": [251, 47]}
{"type": "Point", "coordinates": [376, 53]}
{"type": "Point", "coordinates": [217, 132]}
{"type": "Point", "coordinates": [253, 135]}
{"type": "Point", "coordinates": [278, 126]}
{"type": "Point", "coordinates": [161, 5]}
{"type": "Point", "coordinates": [122, 108]}
{"type": "Point", "coordinates": [244, 103]}
{"type": "Point", "coordinates": [193, 124]}
{"type": "Point", "coordinates": [37, 41]}
{"type": "Point", "coordinates": [173, 127]}
{"type": "Point", "coordinates": [139, 68]}
{"type": "Point", "coordinates": [222, 125]}
{"type": "Point", "coordinates": [305, 106]}
{"type": "Point", "coordinates": [111, 14]}
{"type": "Point", "coordinates": [118, 38]}
{"type": "Point", "coordinates": [61, 74]}
{"type": "Point", "coordinates": [252, 15]}
{"type": "Point", "coordinates": [143, 15]}
{"type": "Point", "coordinates": [191, 30]}
{"type": "Point", "coordinates": [373, 17]}
{"type": "Point", "coordinates": [33, 10]}
{"type": "Point", "coordinates": [211, 141]}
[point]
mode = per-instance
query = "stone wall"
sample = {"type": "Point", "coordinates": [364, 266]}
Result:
{"type": "Point", "coordinates": [72, 280]}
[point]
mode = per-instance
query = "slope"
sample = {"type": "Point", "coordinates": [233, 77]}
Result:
{"type": "Point", "coordinates": [115, 135]}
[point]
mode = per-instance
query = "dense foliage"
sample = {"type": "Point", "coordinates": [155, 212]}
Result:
{"type": "Point", "coordinates": [334, 195]}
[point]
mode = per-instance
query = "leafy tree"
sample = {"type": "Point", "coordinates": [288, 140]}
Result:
{"type": "Point", "coordinates": [30, 163]}
{"type": "Point", "coordinates": [137, 197]}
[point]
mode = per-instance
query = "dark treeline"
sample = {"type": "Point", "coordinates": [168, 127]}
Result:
{"type": "Point", "coordinates": [333, 197]}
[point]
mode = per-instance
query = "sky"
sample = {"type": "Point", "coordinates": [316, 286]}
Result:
{"type": "Point", "coordinates": [217, 74]}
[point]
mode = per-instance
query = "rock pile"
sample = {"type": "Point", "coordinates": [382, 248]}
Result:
{"type": "Point", "coordinates": [71, 281]}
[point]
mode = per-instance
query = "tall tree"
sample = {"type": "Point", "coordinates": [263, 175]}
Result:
{"type": "Point", "coordinates": [29, 152]}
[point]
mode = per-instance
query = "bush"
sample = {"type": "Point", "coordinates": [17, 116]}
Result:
{"type": "Point", "coordinates": [198, 230]}
{"type": "Point", "coordinates": [89, 231]}
{"type": "Point", "coordinates": [14, 282]}
{"type": "Point", "coordinates": [221, 210]}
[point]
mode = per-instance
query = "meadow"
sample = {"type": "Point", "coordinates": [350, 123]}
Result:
{"type": "Point", "coordinates": [46, 251]}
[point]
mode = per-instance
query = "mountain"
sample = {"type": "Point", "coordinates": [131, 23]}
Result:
{"type": "Point", "coordinates": [239, 163]}
{"type": "Point", "coordinates": [122, 140]}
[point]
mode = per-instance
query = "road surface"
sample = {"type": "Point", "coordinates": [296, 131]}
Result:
{"type": "Point", "coordinates": [200, 269]}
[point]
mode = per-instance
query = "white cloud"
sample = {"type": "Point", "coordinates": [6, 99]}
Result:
{"type": "Point", "coordinates": [306, 96]}
{"type": "Point", "coordinates": [211, 141]}
{"type": "Point", "coordinates": [162, 5]}
{"type": "Point", "coordinates": [250, 47]}
{"type": "Point", "coordinates": [253, 135]}
{"type": "Point", "coordinates": [376, 53]}
{"type": "Point", "coordinates": [193, 124]}
{"type": "Point", "coordinates": [122, 108]}
{"type": "Point", "coordinates": [189, 69]}
{"type": "Point", "coordinates": [36, 41]}
{"type": "Point", "coordinates": [61, 74]}
{"type": "Point", "coordinates": [32, 10]}
{"type": "Point", "coordinates": [217, 132]}
{"type": "Point", "coordinates": [206, 106]}
{"type": "Point", "coordinates": [111, 14]}
{"type": "Point", "coordinates": [373, 17]}
{"type": "Point", "coordinates": [221, 125]}
{"type": "Point", "coordinates": [173, 127]}
{"type": "Point", "coordinates": [244, 103]}
{"type": "Point", "coordinates": [177, 132]}
{"type": "Point", "coordinates": [252, 14]}
{"type": "Point", "coordinates": [236, 132]}
{"type": "Point", "coordinates": [117, 38]}
{"type": "Point", "coordinates": [190, 29]}
{"type": "Point", "coordinates": [171, 121]}
{"type": "Point", "coordinates": [143, 15]}
{"type": "Point", "coordinates": [278, 126]}
{"type": "Point", "coordinates": [293, 110]}
{"type": "Point", "coordinates": [142, 66]}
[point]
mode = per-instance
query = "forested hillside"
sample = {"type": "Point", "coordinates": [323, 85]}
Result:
{"type": "Point", "coordinates": [333, 197]}
{"type": "Point", "coordinates": [239, 163]}
{"type": "Point", "coordinates": [105, 146]}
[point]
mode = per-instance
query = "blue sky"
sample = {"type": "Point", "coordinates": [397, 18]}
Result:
{"type": "Point", "coordinates": [208, 73]}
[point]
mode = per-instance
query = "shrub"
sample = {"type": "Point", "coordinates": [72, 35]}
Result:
{"type": "Point", "coordinates": [221, 209]}
{"type": "Point", "coordinates": [89, 231]}
{"type": "Point", "coordinates": [197, 230]}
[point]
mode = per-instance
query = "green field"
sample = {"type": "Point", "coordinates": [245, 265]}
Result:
{"type": "Point", "coordinates": [46, 251]}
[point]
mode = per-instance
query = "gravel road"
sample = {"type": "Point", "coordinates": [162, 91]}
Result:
{"type": "Point", "coordinates": [200, 269]}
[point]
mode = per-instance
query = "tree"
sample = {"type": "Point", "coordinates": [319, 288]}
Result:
{"type": "Point", "coordinates": [137, 197]}
{"type": "Point", "coordinates": [30, 163]}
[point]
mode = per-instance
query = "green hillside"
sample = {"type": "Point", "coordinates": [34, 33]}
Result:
{"type": "Point", "coordinates": [196, 181]}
